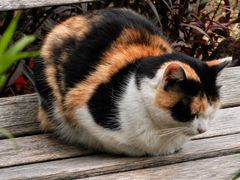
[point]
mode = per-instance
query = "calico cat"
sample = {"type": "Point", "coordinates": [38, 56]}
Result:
{"type": "Point", "coordinates": [109, 80]}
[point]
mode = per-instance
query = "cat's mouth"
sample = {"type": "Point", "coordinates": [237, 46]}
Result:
{"type": "Point", "coordinates": [194, 132]}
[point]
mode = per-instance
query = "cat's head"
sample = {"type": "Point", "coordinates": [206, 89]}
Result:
{"type": "Point", "coordinates": [180, 91]}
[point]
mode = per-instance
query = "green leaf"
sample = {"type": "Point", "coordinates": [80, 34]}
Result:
{"type": "Point", "coordinates": [20, 44]}
{"type": "Point", "coordinates": [13, 58]}
{"type": "Point", "coordinates": [8, 135]}
{"type": "Point", "coordinates": [23, 55]}
{"type": "Point", "coordinates": [3, 79]}
{"type": "Point", "coordinates": [7, 36]}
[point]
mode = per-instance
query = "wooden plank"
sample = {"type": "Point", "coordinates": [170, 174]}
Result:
{"type": "Point", "coordinates": [230, 91]}
{"type": "Point", "coordinates": [223, 167]}
{"type": "Point", "coordinates": [19, 115]}
{"type": "Point", "coordinates": [36, 148]}
{"type": "Point", "coordinates": [103, 164]}
{"type": "Point", "coordinates": [226, 122]}
{"type": "Point", "coordinates": [25, 4]}
{"type": "Point", "coordinates": [22, 121]}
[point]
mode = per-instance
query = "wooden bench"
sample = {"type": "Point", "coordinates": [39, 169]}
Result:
{"type": "Point", "coordinates": [213, 155]}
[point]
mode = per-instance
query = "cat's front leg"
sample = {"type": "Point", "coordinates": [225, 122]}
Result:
{"type": "Point", "coordinates": [169, 146]}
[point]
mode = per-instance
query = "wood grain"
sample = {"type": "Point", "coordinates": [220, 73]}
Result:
{"type": "Point", "coordinates": [230, 91]}
{"type": "Point", "coordinates": [223, 167]}
{"type": "Point", "coordinates": [36, 148]}
{"type": "Point", "coordinates": [19, 115]}
{"type": "Point", "coordinates": [103, 164]}
{"type": "Point", "coordinates": [25, 4]}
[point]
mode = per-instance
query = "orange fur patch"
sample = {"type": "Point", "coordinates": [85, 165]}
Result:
{"type": "Point", "coordinates": [167, 99]}
{"type": "Point", "coordinates": [44, 121]}
{"type": "Point", "coordinates": [50, 74]}
{"type": "Point", "coordinates": [122, 53]}
{"type": "Point", "coordinates": [216, 104]}
{"type": "Point", "coordinates": [199, 104]}
{"type": "Point", "coordinates": [213, 63]}
{"type": "Point", "coordinates": [76, 27]}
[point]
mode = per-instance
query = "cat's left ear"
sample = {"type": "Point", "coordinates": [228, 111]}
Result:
{"type": "Point", "coordinates": [217, 65]}
{"type": "Point", "coordinates": [173, 74]}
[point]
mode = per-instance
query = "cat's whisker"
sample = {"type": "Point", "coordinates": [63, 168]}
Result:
{"type": "Point", "coordinates": [170, 131]}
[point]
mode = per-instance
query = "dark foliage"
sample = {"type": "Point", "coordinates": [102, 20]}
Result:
{"type": "Point", "coordinates": [194, 27]}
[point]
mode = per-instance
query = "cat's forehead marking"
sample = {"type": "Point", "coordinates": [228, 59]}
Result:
{"type": "Point", "coordinates": [165, 99]}
{"type": "Point", "coordinates": [199, 104]}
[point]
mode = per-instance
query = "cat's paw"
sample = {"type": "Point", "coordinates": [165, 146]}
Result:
{"type": "Point", "coordinates": [178, 150]}
{"type": "Point", "coordinates": [172, 150]}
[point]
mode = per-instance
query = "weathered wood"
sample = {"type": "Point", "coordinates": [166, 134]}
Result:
{"type": "Point", "coordinates": [36, 148]}
{"type": "Point", "coordinates": [19, 115]}
{"type": "Point", "coordinates": [230, 91]}
{"type": "Point", "coordinates": [213, 168]}
{"type": "Point", "coordinates": [25, 4]}
{"type": "Point", "coordinates": [102, 164]}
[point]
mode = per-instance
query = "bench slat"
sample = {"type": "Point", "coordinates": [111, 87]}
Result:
{"type": "Point", "coordinates": [230, 91]}
{"type": "Point", "coordinates": [223, 167]}
{"type": "Point", "coordinates": [34, 149]}
{"type": "Point", "coordinates": [25, 4]}
{"type": "Point", "coordinates": [102, 164]}
{"type": "Point", "coordinates": [19, 114]}
{"type": "Point", "coordinates": [22, 120]}
{"type": "Point", "coordinates": [226, 122]}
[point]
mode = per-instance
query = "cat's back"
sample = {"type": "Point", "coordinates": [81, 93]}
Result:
{"type": "Point", "coordinates": [87, 38]}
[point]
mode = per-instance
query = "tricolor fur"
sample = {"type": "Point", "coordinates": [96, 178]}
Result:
{"type": "Point", "coordinates": [109, 81]}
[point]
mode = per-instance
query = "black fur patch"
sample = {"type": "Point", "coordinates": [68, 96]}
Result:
{"type": "Point", "coordinates": [44, 91]}
{"type": "Point", "coordinates": [103, 104]}
{"type": "Point", "coordinates": [181, 110]}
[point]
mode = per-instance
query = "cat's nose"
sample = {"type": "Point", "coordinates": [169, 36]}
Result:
{"type": "Point", "coordinates": [201, 130]}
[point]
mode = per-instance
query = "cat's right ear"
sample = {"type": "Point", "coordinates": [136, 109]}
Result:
{"type": "Point", "coordinates": [173, 74]}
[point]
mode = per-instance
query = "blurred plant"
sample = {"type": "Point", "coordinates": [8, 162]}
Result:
{"type": "Point", "coordinates": [236, 176]}
{"type": "Point", "coordinates": [196, 27]}
{"type": "Point", "coordinates": [8, 135]}
{"type": "Point", "coordinates": [10, 55]}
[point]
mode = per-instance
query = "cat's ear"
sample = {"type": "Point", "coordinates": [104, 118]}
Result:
{"type": "Point", "coordinates": [217, 65]}
{"type": "Point", "coordinates": [173, 74]}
